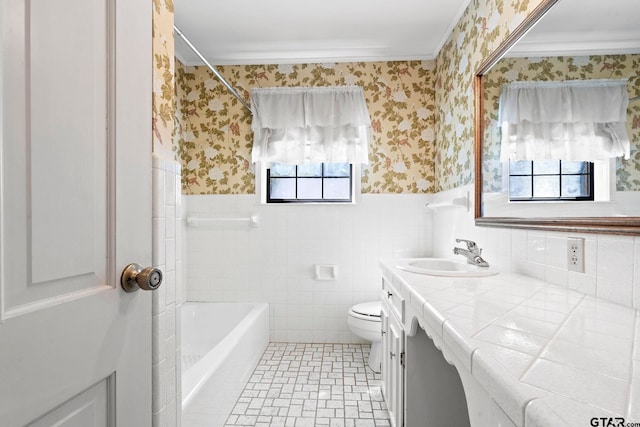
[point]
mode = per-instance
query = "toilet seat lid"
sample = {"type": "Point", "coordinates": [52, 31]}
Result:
{"type": "Point", "coordinates": [371, 309]}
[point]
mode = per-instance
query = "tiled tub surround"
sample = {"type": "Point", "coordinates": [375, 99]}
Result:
{"type": "Point", "coordinates": [275, 262]}
{"type": "Point", "coordinates": [547, 355]}
{"type": "Point", "coordinates": [167, 299]}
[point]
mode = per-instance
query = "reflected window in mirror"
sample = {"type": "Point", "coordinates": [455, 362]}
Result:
{"type": "Point", "coordinates": [617, 181]}
{"type": "Point", "coordinates": [550, 180]}
{"type": "Point", "coordinates": [555, 49]}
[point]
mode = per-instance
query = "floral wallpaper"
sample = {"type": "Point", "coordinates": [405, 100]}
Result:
{"type": "Point", "coordinates": [163, 79]}
{"type": "Point", "coordinates": [213, 130]}
{"type": "Point", "coordinates": [482, 27]}
{"type": "Point", "coordinates": [562, 68]}
{"type": "Point", "coordinates": [417, 147]}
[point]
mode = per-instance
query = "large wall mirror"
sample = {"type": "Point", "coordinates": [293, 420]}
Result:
{"type": "Point", "coordinates": [562, 40]}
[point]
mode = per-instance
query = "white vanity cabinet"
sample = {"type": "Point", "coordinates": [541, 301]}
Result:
{"type": "Point", "coordinates": [393, 352]}
{"type": "Point", "coordinates": [420, 387]}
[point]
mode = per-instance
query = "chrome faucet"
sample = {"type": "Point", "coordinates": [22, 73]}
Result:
{"type": "Point", "coordinates": [472, 253]}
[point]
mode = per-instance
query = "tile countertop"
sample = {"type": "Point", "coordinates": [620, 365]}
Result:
{"type": "Point", "coordinates": [548, 355]}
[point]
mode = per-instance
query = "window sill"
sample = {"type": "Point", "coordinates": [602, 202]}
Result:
{"type": "Point", "coordinates": [497, 205]}
{"type": "Point", "coordinates": [264, 203]}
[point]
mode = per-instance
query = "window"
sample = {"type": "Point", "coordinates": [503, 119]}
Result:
{"type": "Point", "coordinates": [550, 180]}
{"type": "Point", "coordinates": [308, 183]}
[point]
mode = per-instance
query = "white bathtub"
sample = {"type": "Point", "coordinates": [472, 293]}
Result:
{"type": "Point", "coordinates": [221, 346]}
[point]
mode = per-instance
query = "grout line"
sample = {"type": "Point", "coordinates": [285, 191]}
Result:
{"type": "Point", "coordinates": [633, 364]}
{"type": "Point", "coordinates": [546, 346]}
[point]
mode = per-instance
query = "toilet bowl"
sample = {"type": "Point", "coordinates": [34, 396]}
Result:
{"type": "Point", "coordinates": [364, 321]}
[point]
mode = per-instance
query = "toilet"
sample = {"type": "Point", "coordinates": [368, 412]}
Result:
{"type": "Point", "coordinates": [364, 321]}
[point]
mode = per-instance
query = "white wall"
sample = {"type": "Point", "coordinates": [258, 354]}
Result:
{"type": "Point", "coordinates": [274, 263]}
{"type": "Point", "coordinates": [167, 299]}
{"type": "Point", "coordinates": [612, 263]}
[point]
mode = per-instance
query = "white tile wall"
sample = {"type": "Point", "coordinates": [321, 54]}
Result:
{"type": "Point", "coordinates": [612, 263]}
{"type": "Point", "coordinates": [166, 251]}
{"type": "Point", "coordinates": [275, 262]}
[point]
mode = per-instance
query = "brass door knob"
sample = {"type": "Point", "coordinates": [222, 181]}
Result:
{"type": "Point", "coordinates": [135, 277]}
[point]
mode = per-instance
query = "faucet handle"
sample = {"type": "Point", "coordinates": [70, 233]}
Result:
{"type": "Point", "coordinates": [471, 245]}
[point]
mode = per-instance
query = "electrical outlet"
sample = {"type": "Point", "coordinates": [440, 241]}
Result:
{"type": "Point", "coordinates": [575, 254]}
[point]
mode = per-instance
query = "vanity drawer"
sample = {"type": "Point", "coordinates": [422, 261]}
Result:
{"type": "Point", "coordinates": [393, 298]}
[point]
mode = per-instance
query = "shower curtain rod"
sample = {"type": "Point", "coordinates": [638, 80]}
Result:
{"type": "Point", "coordinates": [634, 99]}
{"type": "Point", "coordinates": [213, 69]}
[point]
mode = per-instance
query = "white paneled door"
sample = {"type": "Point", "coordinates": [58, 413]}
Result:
{"type": "Point", "coordinates": [75, 175]}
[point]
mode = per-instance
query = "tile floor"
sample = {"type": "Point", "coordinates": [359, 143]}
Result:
{"type": "Point", "coordinates": [312, 385]}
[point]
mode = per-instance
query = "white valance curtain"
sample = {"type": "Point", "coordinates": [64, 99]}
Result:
{"type": "Point", "coordinates": [297, 125]}
{"type": "Point", "coordinates": [575, 120]}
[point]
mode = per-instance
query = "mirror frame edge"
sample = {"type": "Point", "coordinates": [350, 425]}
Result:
{"type": "Point", "coordinates": [601, 225]}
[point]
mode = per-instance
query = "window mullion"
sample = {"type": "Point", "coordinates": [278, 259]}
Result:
{"type": "Point", "coordinates": [322, 180]}
{"type": "Point", "coordinates": [560, 178]}
{"type": "Point", "coordinates": [532, 180]}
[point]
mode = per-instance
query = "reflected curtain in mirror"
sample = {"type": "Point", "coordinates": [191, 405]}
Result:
{"type": "Point", "coordinates": [574, 120]}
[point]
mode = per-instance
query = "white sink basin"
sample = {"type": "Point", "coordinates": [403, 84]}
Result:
{"type": "Point", "coordinates": [443, 267]}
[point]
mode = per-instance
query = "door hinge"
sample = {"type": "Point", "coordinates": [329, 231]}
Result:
{"type": "Point", "coordinates": [402, 359]}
